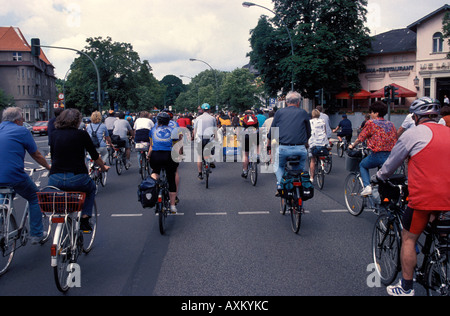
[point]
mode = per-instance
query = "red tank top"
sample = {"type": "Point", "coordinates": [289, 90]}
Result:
{"type": "Point", "coordinates": [429, 173]}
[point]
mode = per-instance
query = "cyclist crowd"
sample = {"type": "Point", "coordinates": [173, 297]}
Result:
{"type": "Point", "coordinates": [421, 140]}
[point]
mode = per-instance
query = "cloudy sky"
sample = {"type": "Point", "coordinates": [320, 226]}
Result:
{"type": "Point", "coordinates": [170, 32]}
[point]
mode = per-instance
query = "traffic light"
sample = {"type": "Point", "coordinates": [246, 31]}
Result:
{"type": "Point", "coordinates": [35, 47]}
{"type": "Point", "coordinates": [105, 95]}
{"type": "Point", "coordinates": [318, 95]}
{"type": "Point", "coordinates": [94, 95]}
{"type": "Point", "coordinates": [387, 92]}
{"type": "Point", "coordinates": [394, 96]}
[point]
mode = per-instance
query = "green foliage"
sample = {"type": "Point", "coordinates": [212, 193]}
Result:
{"type": "Point", "coordinates": [330, 42]}
{"type": "Point", "coordinates": [5, 100]}
{"type": "Point", "coordinates": [128, 81]}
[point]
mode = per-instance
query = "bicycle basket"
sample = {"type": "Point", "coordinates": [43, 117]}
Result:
{"type": "Point", "coordinates": [61, 202]}
{"type": "Point", "coordinates": [352, 163]}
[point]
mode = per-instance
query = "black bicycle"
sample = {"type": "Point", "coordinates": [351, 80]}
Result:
{"type": "Point", "coordinates": [163, 203]}
{"type": "Point", "coordinates": [433, 272]}
{"type": "Point", "coordinates": [291, 197]}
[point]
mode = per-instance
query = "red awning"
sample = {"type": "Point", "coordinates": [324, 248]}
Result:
{"type": "Point", "coordinates": [402, 92]}
{"type": "Point", "coordinates": [361, 95]}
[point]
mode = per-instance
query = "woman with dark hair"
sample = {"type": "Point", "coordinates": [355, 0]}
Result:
{"type": "Point", "coordinates": [381, 137]}
{"type": "Point", "coordinates": [68, 170]}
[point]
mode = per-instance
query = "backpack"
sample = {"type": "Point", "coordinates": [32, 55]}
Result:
{"type": "Point", "coordinates": [250, 120]}
{"type": "Point", "coordinates": [224, 121]}
{"type": "Point", "coordinates": [94, 136]}
{"type": "Point", "coordinates": [148, 192]}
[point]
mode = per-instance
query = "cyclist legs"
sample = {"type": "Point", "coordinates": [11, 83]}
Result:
{"type": "Point", "coordinates": [27, 189]}
{"type": "Point", "coordinates": [283, 152]}
{"type": "Point", "coordinates": [372, 161]}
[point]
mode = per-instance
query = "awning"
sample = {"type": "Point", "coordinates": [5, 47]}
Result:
{"type": "Point", "coordinates": [361, 95]}
{"type": "Point", "coordinates": [402, 92]}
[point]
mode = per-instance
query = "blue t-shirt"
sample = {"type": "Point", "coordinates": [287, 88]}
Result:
{"type": "Point", "coordinates": [14, 141]}
{"type": "Point", "coordinates": [163, 137]}
{"type": "Point", "coordinates": [261, 119]}
{"type": "Point", "coordinates": [346, 126]}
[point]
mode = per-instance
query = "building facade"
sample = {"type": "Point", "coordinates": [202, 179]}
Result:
{"type": "Point", "coordinates": [28, 79]}
{"type": "Point", "coordinates": [414, 59]}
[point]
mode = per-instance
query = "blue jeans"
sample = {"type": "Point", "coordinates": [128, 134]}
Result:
{"type": "Point", "coordinates": [27, 189]}
{"type": "Point", "coordinates": [374, 160]}
{"type": "Point", "coordinates": [77, 183]}
{"type": "Point", "coordinates": [283, 152]}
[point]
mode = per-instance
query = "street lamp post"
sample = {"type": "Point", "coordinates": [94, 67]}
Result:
{"type": "Point", "coordinates": [215, 77]}
{"type": "Point", "coordinates": [251, 4]}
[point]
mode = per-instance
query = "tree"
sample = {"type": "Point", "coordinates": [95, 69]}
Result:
{"type": "Point", "coordinates": [239, 91]}
{"type": "Point", "coordinates": [330, 43]}
{"type": "Point", "coordinates": [5, 100]}
{"type": "Point", "coordinates": [174, 87]}
{"type": "Point", "coordinates": [126, 79]}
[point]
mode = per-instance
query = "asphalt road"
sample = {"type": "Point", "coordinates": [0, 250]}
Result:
{"type": "Point", "coordinates": [228, 240]}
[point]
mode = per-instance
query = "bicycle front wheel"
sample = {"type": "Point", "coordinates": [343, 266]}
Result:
{"type": "Point", "coordinates": [437, 276]}
{"type": "Point", "coordinates": [340, 149]}
{"type": "Point", "coordinates": [7, 245]}
{"type": "Point", "coordinates": [119, 165]}
{"type": "Point", "coordinates": [352, 190]}
{"type": "Point", "coordinates": [328, 164]}
{"type": "Point", "coordinates": [386, 248]}
{"type": "Point", "coordinates": [88, 237]}
{"type": "Point", "coordinates": [63, 254]}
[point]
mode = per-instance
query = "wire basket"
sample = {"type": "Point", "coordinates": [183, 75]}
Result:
{"type": "Point", "coordinates": [352, 163]}
{"type": "Point", "coordinates": [61, 202]}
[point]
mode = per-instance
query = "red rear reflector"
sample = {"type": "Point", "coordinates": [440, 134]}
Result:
{"type": "Point", "coordinates": [297, 184]}
{"type": "Point", "coordinates": [159, 198]}
{"type": "Point", "coordinates": [300, 201]}
{"type": "Point", "coordinates": [58, 220]}
{"type": "Point", "coordinates": [53, 251]}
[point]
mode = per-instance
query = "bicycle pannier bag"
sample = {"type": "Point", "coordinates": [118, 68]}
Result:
{"type": "Point", "coordinates": [148, 192]}
{"type": "Point", "coordinates": [307, 191]}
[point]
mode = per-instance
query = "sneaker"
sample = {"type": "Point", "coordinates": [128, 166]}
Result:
{"type": "Point", "coordinates": [38, 240]}
{"type": "Point", "coordinates": [200, 176]}
{"type": "Point", "coordinates": [212, 165]}
{"type": "Point", "coordinates": [367, 191]}
{"type": "Point", "coordinates": [279, 191]}
{"type": "Point", "coordinates": [244, 174]}
{"type": "Point", "coordinates": [397, 290]}
{"type": "Point", "coordinates": [173, 209]}
{"type": "Point", "coordinates": [85, 226]}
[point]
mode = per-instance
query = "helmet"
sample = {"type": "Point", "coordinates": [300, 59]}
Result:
{"type": "Point", "coordinates": [168, 112]}
{"type": "Point", "coordinates": [206, 106]}
{"type": "Point", "coordinates": [425, 106]}
{"type": "Point", "coordinates": [163, 118]}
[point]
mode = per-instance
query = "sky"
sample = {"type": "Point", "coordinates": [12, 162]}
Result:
{"type": "Point", "coordinates": [168, 33]}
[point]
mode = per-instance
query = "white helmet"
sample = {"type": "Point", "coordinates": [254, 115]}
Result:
{"type": "Point", "coordinates": [425, 106]}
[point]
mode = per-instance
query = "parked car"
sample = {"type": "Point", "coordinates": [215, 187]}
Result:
{"type": "Point", "coordinates": [40, 128]}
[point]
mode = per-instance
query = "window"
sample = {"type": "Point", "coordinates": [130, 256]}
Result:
{"type": "Point", "coordinates": [427, 86]}
{"type": "Point", "coordinates": [438, 42]}
{"type": "Point", "coordinates": [17, 56]}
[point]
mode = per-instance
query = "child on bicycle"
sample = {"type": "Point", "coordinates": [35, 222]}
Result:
{"type": "Point", "coordinates": [317, 141]}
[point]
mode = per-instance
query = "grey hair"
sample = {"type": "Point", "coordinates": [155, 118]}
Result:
{"type": "Point", "coordinates": [12, 114]}
{"type": "Point", "coordinates": [293, 98]}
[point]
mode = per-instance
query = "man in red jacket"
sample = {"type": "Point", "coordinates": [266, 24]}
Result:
{"type": "Point", "coordinates": [427, 145]}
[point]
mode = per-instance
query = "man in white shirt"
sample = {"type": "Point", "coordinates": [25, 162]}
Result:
{"type": "Point", "coordinates": [205, 126]}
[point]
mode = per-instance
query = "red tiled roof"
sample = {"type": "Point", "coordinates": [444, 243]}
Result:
{"type": "Point", "coordinates": [12, 39]}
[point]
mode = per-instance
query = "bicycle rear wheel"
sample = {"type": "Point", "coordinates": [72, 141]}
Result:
{"type": "Point", "coordinates": [162, 215]}
{"type": "Point", "coordinates": [253, 172]}
{"type": "Point", "coordinates": [340, 149]}
{"type": "Point", "coordinates": [119, 165]}
{"type": "Point", "coordinates": [328, 164]}
{"type": "Point", "coordinates": [320, 174]}
{"type": "Point", "coordinates": [296, 212]}
{"type": "Point", "coordinates": [353, 200]}
{"type": "Point", "coordinates": [7, 248]}
{"type": "Point", "coordinates": [386, 248]}
{"type": "Point", "coordinates": [88, 237]}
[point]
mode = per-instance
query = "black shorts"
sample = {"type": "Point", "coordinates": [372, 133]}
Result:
{"type": "Point", "coordinates": [163, 159]}
{"type": "Point", "coordinates": [247, 142]}
{"type": "Point", "coordinates": [346, 135]}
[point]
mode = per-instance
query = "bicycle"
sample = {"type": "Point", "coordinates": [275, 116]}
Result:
{"type": "Point", "coordinates": [69, 241]}
{"type": "Point", "coordinates": [144, 163]}
{"type": "Point", "coordinates": [13, 237]}
{"type": "Point", "coordinates": [163, 203]}
{"type": "Point", "coordinates": [342, 146]}
{"type": "Point", "coordinates": [121, 159]}
{"type": "Point", "coordinates": [97, 175]}
{"type": "Point", "coordinates": [206, 171]}
{"type": "Point", "coordinates": [433, 272]}
{"type": "Point", "coordinates": [291, 197]}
